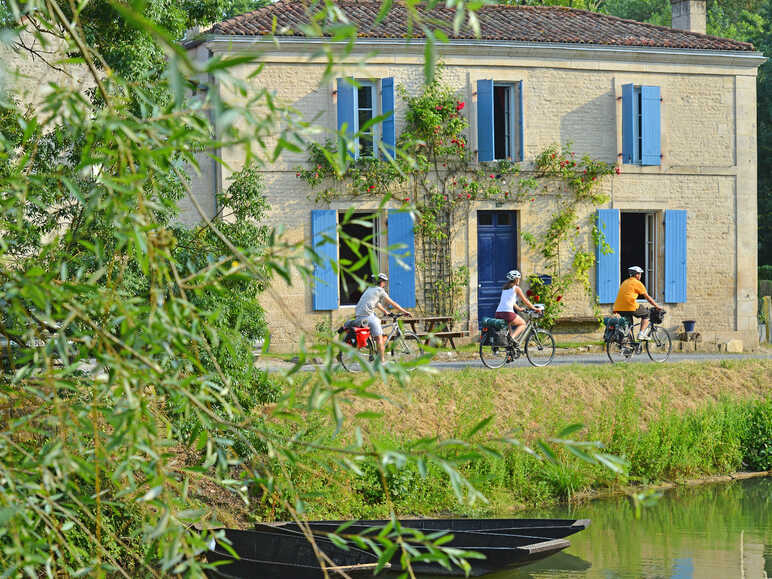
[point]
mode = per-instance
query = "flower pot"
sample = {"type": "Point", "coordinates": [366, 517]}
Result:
{"type": "Point", "coordinates": [689, 325]}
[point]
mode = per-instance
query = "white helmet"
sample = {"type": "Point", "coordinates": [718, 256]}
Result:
{"type": "Point", "coordinates": [513, 274]}
{"type": "Point", "coordinates": [635, 268]}
{"type": "Point", "coordinates": [381, 277]}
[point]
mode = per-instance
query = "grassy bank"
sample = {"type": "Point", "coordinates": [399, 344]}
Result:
{"type": "Point", "coordinates": [669, 422]}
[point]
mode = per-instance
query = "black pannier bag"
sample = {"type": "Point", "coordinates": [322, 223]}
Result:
{"type": "Point", "coordinates": [496, 330]}
{"type": "Point", "coordinates": [616, 328]}
{"type": "Point", "coordinates": [656, 315]}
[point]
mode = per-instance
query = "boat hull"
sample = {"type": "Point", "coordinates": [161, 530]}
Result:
{"type": "Point", "coordinates": [282, 553]}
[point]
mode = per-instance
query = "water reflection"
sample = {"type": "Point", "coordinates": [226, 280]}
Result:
{"type": "Point", "coordinates": [714, 531]}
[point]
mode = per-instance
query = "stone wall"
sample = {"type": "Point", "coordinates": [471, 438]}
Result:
{"type": "Point", "coordinates": [708, 167]}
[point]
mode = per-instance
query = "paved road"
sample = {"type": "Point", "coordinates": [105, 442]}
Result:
{"type": "Point", "coordinates": [597, 358]}
{"type": "Point", "coordinates": [559, 360]}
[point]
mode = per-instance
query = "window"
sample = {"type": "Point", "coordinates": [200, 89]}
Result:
{"type": "Point", "coordinates": [358, 104]}
{"type": "Point", "coordinates": [362, 227]}
{"type": "Point", "coordinates": [641, 125]}
{"type": "Point", "coordinates": [639, 247]}
{"type": "Point", "coordinates": [366, 111]}
{"type": "Point", "coordinates": [332, 288]}
{"type": "Point", "coordinates": [499, 121]}
{"type": "Point", "coordinates": [639, 238]}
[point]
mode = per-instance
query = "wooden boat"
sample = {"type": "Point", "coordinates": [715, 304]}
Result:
{"type": "Point", "coordinates": [287, 553]}
{"type": "Point", "coordinates": [269, 555]}
{"type": "Point", "coordinates": [544, 528]}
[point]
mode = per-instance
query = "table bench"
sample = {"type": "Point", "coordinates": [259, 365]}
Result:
{"type": "Point", "coordinates": [435, 327]}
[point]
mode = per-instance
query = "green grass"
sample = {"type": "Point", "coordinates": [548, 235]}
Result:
{"type": "Point", "coordinates": [670, 422]}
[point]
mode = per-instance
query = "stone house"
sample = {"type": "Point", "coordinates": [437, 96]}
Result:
{"type": "Point", "coordinates": [672, 108]}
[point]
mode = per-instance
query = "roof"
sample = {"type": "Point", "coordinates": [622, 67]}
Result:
{"type": "Point", "coordinates": [533, 24]}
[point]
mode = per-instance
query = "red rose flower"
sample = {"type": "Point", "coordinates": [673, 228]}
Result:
{"type": "Point", "coordinates": [558, 298]}
{"type": "Point", "coordinates": [618, 170]}
{"type": "Point", "coordinates": [468, 195]}
{"type": "Point", "coordinates": [529, 293]}
{"type": "Point", "coordinates": [459, 105]}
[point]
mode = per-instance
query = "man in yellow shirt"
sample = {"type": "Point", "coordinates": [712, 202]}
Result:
{"type": "Point", "coordinates": [625, 304]}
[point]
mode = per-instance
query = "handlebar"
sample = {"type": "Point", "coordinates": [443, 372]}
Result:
{"type": "Point", "coordinates": [399, 315]}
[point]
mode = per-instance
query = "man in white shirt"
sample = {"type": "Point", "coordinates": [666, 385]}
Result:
{"type": "Point", "coordinates": [365, 310]}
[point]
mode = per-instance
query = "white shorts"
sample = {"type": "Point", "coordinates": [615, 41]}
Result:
{"type": "Point", "coordinates": [374, 323]}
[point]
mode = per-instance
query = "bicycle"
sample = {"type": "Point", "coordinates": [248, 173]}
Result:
{"type": "Point", "coordinates": [401, 345]}
{"type": "Point", "coordinates": [539, 345]}
{"type": "Point", "coordinates": [621, 345]}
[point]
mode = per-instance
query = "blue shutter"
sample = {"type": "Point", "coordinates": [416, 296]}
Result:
{"type": "Point", "coordinates": [401, 275]}
{"type": "Point", "coordinates": [485, 120]}
{"type": "Point", "coordinates": [324, 224]}
{"type": "Point", "coordinates": [650, 126]}
{"type": "Point", "coordinates": [607, 267]}
{"type": "Point", "coordinates": [629, 125]}
{"type": "Point", "coordinates": [521, 123]}
{"type": "Point", "coordinates": [347, 99]}
{"type": "Point", "coordinates": [387, 106]}
{"type": "Point", "coordinates": [675, 256]}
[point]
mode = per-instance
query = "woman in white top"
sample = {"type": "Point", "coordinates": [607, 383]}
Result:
{"type": "Point", "coordinates": [508, 304]}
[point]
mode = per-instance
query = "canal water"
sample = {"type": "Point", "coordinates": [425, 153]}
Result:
{"type": "Point", "coordinates": [710, 531]}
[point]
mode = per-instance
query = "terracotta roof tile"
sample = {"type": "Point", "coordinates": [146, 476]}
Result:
{"type": "Point", "coordinates": [548, 24]}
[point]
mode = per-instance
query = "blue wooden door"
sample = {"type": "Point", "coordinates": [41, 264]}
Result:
{"type": "Point", "coordinates": [496, 255]}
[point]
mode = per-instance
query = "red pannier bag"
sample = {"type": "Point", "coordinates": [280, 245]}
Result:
{"type": "Point", "coordinates": [362, 335]}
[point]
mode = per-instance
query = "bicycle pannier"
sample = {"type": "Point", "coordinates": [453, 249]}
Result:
{"type": "Point", "coordinates": [494, 324]}
{"type": "Point", "coordinates": [616, 328]}
{"type": "Point", "coordinates": [362, 335]}
{"type": "Point", "coordinates": [496, 330]}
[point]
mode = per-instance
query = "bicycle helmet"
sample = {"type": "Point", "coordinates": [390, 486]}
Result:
{"type": "Point", "coordinates": [635, 269]}
{"type": "Point", "coordinates": [381, 277]}
{"type": "Point", "coordinates": [512, 275]}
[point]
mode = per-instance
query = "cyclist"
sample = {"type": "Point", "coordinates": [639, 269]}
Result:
{"type": "Point", "coordinates": [508, 304]}
{"type": "Point", "coordinates": [368, 303]}
{"type": "Point", "coordinates": [626, 306]}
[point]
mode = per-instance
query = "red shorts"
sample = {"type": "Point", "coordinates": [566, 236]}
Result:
{"type": "Point", "coordinates": [508, 316]}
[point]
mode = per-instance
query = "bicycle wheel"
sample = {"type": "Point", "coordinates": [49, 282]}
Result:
{"type": "Point", "coordinates": [540, 347]}
{"type": "Point", "coordinates": [355, 359]}
{"type": "Point", "coordinates": [405, 348]}
{"type": "Point", "coordinates": [659, 347]}
{"type": "Point", "coordinates": [620, 352]}
{"type": "Point", "coordinates": [492, 356]}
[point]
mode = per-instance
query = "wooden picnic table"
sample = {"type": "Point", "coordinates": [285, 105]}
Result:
{"type": "Point", "coordinates": [430, 323]}
{"type": "Point", "coordinates": [438, 327]}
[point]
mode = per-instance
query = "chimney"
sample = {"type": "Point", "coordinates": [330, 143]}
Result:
{"type": "Point", "coordinates": [689, 15]}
